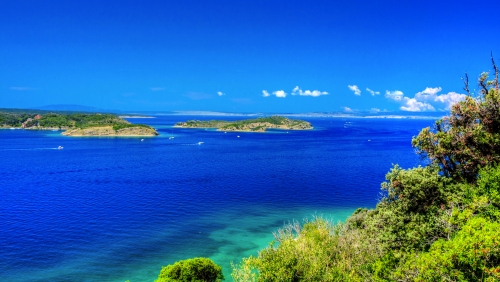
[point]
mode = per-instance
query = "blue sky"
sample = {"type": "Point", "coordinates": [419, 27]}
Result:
{"type": "Point", "coordinates": [244, 56]}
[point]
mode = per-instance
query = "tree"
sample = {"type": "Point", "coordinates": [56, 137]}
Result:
{"type": "Point", "coordinates": [191, 270]}
{"type": "Point", "coordinates": [469, 138]}
{"type": "Point", "coordinates": [435, 223]}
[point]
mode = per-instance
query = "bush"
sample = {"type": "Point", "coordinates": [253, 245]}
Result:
{"type": "Point", "coordinates": [434, 223]}
{"type": "Point", "coordinates": [191, 270]}
{"type": "Point", "coordinates": [473, 254]}
{"type": "Point", "coordinates": [316, 251]}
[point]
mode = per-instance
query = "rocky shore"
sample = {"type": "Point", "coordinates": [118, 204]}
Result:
{"type": "Point", "coordinates": [109, 131]}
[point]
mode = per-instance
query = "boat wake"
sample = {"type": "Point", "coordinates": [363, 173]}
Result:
{"type": "Point", "coordinates": [195, 144]}
{"type": "Point", "coordinates": [31, 149]}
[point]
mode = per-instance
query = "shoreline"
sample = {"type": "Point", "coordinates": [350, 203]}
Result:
{"type": "Point", "coordinates": [136, 117]}
{"type": "Point", "coordinates": [44, 129]}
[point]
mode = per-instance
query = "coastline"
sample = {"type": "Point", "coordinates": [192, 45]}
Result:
{"type": "Point", "coordinates": [98, 131]}
{"type": "Point", "coordinates": [31, 128]}
{"type": "Point", "coordinates": [136, 117]}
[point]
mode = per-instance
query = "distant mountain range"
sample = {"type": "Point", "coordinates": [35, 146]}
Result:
{"type": "Point", "coordinates": [75, 108]}
{"type": "Point", "coordinates": [360, 114]}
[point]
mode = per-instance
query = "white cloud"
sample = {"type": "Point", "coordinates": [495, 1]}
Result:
{"type": "Point", "coordinates": [416, 104]}
{"type": "Point", "coordinates": [429, 91]}
{"type": "Point", "coordinates": [313, 93]}
{"type": "Point", "coordinates": [355, 89]}
{"type": "Point", "coordinates": [394, 95]}
{"type": "Point", "coordinates": [374, 110]}
{"type": "Point", "coordinates": [280, 94]}
{"type": "Point", "coordinates": [372, 92]}
{"type": "Point", "coordinates": [443, 101]}
{"type": "Point", "coordinates": [158, 88]}
{"type": "Point", "coordinates": [295, 91]}
{"type": "Point", "coordinates": [412, 105]}
{"type": "Point", "coordinates": [220, 93]}
{"type": "Point", "coordinates": [347, 109]}
{"type": "Point", "coordinates": [450, 99]}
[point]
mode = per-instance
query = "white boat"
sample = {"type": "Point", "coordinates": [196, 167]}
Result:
{"type": "Point", "coordinates": [171, 137]}
{"type": "Point", "coordinates": [60, 147]}
{"type": "Point", "coordinates": [199, 143]}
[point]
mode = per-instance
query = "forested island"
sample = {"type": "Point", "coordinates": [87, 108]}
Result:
{"type": "Point", "coordinates": [249, 125]}
{"type": "Point", "coordinates": [74, 124]}
{"type": "Point", "coordinates": [439, 222]}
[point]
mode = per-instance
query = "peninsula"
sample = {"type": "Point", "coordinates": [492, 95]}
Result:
{"type": "Point", "coordinates": [74, 124]}
{"type": "Point", "coordinates": [249, 125]}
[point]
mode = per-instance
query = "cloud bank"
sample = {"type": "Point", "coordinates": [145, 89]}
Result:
{"type": "Point", "coordinates": [394, 95]}
{"type": "Point", "coordinates": [295, 91]}
{"type": "Point", "coordinates": [313, 93]}
{"type": "Point", "coordinates": [425, 100]}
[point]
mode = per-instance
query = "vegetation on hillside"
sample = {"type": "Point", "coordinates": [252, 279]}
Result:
{"type": "Point", "coordinates": [258, 124]}
{"type": "Point", "coordinates": [436, 223]}
{"type": "Point", "coordinates": [14, 118]}
{"type": "Point", "coordinates": [191, 270]}
{"type": "Point", "coordinates": [42, 119]}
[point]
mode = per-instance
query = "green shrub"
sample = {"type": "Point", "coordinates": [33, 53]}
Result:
{"type": "Point", "coordinates": [473, 254]}
{"type": "Point", "coordinates": [191, 270]}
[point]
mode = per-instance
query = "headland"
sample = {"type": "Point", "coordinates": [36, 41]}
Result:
{"type": "Point", "coordinates": [74, 124]}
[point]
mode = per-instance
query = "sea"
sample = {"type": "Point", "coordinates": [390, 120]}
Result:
{"type": "Point", "coordinates": [120, 208]}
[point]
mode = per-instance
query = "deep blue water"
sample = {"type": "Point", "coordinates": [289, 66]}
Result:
{"type": "Point", "coordinates": [112, 209]}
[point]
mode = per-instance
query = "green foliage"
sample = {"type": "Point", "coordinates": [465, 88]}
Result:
{"type": "Point", "coordinates": [435, 223]}
{"type": "Point", "coordinates": [191, 270]}
{"type": "Point", "coordinates": [14, 119]}
{"type": "Point", "coordinates": [469, 138]}
{"type": "Point", "coordinates": [55, 120]}
{"type": "Point", "coordinates": [473, 254]}
{"type": "Point", "coordinates": [89, 120]}
{"type": "Point", "coordinates": [59, 120]}
{"type": "Point", "coordinates": [411, 215]}
{"type": "Point", "coordinates": [203, 124]}
{"type": "Point", "coordinates": [320, 251]}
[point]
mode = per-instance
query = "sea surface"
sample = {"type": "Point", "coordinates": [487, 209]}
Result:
{"type": "Point", "coordinates": [116, 209]}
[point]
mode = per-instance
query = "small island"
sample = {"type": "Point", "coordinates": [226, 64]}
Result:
{"type": "Point", "coordinates": [74, 124]}
{"type": "Point", "coordinates": [249, 125]}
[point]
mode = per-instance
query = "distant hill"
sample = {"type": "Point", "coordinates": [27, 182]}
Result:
{"type": "Point", "coordinates": [74, 108]}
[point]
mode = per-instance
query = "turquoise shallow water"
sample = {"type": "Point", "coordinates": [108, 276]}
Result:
{"type": "Point", "coordinates": [112, 209]}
